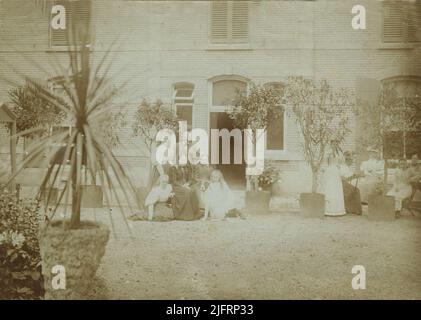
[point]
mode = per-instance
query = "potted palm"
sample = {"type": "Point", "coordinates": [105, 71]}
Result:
{"type": "Point", "coordinates": [254, 110]}
{"type": "Point", "coordinates": [68, 241]}
{"type": "Point", "coordinates": [321, 115]}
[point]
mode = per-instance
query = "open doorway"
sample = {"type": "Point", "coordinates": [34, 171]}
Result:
{"type": "Point", "coordinates": [233, 173]}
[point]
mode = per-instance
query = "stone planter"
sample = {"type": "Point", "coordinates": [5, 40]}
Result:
{"type": "Point", "coordinates": [312, 205]}
{"type": "Point", "coordinates": [276, 189]}
{"type": "Point", "coordinates": [257, 202]}
{"type": "Point", "coordinates": [79, 251]}
{"type": "Point", "coordinates": [381, 208]}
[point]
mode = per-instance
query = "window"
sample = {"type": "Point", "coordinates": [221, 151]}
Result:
{"type": "Point", "coordinates": [225, 91]}
{"type": "Point", "coordinates": [230, 21]}
{"type": "Point", "coordinates": [183, 100]}
{"type": "Point", "coordinates": [275, 129]}
{"type": "Point", "coordinates": [78, 14]}
{"type": "Point", "coordinates": [401, 21]}
{"type": "Point", "coordinates": [403, 118]}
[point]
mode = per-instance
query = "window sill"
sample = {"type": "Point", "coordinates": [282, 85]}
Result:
{"type": "Point", "coordinates": [64, 49]}
{"type": "Point", "coordinates": [229, 47]}
{"type": "Point", "coordinates": [282, 155]}
{"type": "Point", "coordinates": [398, 45]}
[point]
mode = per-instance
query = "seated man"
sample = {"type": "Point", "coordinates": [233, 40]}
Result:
{"type": "Point", "coordinates": [157, 198]}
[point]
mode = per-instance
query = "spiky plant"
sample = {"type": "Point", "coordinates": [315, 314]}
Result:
{"type": "Point", "coordinates": [87, 97]}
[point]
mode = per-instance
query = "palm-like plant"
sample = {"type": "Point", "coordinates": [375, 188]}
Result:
{"type": "Point", "coordinates": [87, 97]}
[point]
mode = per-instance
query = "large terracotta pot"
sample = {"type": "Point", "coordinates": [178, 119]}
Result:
{"type": "Point", "coordinates": [312, 205]}
{"type": "Point", "coordinates": [79, 251]}
{"type": "Point", "coordinates": [257, 202]}
{"type": "Point", "coordinates": [381, 208]}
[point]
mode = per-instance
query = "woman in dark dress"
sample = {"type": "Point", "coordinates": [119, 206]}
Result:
{"type": "Point", "coordinates": [185, 203]}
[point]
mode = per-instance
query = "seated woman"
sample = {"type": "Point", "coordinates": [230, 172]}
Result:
{"type": "Point", "coordinates": [372, 175]}
{"type": "Point", "coordinates": [352, 196]}
{"type": "Point", "coordinates": [185, 204]}
{"type": "Point", "coordinates": [401, 187]}
{"type": "Point", "coordinates": [156, 201]}
{"type": "Point", "coordinates": [218, 197]}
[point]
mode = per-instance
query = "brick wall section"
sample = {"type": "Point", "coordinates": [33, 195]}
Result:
{"type": "Point", "coordinates": [164, 42]}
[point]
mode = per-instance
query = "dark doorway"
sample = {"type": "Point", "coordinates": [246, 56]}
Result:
{"type": "Point", "coordinates": [233, 173]}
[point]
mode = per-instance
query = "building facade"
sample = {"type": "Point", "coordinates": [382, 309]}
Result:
{"type": "Point", "coordinates": [193, 55]}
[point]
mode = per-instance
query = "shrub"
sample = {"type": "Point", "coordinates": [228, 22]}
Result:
{"type": "Point", "coordinates": [20, 261]}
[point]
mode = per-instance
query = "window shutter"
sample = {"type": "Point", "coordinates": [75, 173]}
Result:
{"type": "Point", "coordinates": [219, 29]}
{"type": "Point", "coordinates": [414, 27]}
{"type": "Point", "coordinates": [240, 15]}
{"type": "Point", "coordinates": [59, 37]}
{"type": "Point", "coordinates": [401, 22]}
{"type": "Point", "coordinates": [78, 13]}
{"type": "Point", "coordinates": [393, 24]}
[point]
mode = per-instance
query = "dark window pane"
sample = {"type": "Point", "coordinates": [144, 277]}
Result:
{"type": "Point", "coordinates": [275, 134]}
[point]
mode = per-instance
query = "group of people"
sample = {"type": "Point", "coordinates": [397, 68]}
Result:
{"type": "Point", "coordinates": [346, 189]}
{"type": "Point", "coordinates": [189, 193]}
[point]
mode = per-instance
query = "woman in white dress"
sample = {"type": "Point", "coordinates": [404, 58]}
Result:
{"type": "Point", "coordinates": [218, 197]}
{"type": "Point", "coordinates": [332, 189]}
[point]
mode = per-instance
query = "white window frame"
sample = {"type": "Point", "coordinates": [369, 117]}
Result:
{"type": "Point", "coordinates": [183, 101]}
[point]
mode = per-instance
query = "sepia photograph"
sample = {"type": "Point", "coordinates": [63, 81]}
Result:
{"type": "Point", "coordinates": [225, 151]}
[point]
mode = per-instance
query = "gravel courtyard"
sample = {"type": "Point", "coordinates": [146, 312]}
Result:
{"type": "Point", "coordinates": [277, 256]}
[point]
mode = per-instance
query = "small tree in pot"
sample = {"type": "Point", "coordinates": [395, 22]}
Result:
{"type": "Point", "coordinates": [32, 112]}
{"type": "Point", "coordinates": [320, 112]}
{"type": "Point", "coordinates": [254, 110]}
{"type": "Point", "coordinates": [393, 115]}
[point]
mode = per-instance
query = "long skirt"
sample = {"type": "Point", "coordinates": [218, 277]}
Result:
{"type": "Point", "coordinates": [368, 186]}
{"type": "Point", "coordinates": [185, 203]}
{"type": "Point", "coordinates": [352, 198]}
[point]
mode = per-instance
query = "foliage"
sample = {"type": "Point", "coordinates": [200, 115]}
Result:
{"type": "Point", "coordinates": [269, 176]}
{"type": "Point", "coordinates": [255, 109]}
{"type": "Point", "coordinates": [87, 98]}
{"type": "Point", "coordinates": [108, 126]}
{"type": "Point", "coordinates": [321, 113]}
{"type": "Point", "coordinates": [150, 118]}
{"type": "Point", "coordinates": [20, 261]}
{"type": "Point", "coordinates": [32, 111]}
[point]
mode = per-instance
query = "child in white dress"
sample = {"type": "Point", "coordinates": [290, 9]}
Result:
{"type": "Point", "coordinates": [159, 194]}
{"type": "Point", "coordinates": [218, 197]}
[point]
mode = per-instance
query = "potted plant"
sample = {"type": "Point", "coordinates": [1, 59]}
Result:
{"type": "Point", "coordinates": [254, 110]}
{"type": "Point", "coordinates": [70, 242]}
{"type": "Point", "coordinates": [389, 116]}
{"type": "Point", "coordinates": [320, 112]}
{"type": "Point", "coordinates": [269, 180]}
{"type": "Point", "coordinates": [34, 117]}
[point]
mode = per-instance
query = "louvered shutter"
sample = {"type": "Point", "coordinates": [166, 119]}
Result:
{"type": "Point", "coordinates": [240, 24]}
{"type": "Point", "coordinates": [78, 14]}
{"type": "Point", "coordinates": [414, 27]}
{"type": "Point", "coordinates": [219, 28]}
{"type": "Point", "coordinates": [401, 22]}
{"type": "Point", "coordinates": [59, 37]}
